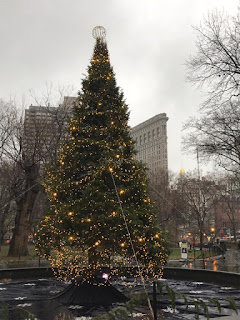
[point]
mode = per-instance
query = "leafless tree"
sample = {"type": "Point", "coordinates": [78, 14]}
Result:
{"type": "Point", "coordinates": [199, 195]}
{"type": "Point", "coordinates": [227, 205]}
{"type": "Point", "coordinates": [31, 144]}
{"type": "Point", "coordinates": [7, 116]}
{"type": "Point", "coordinates": [216, 64]}
{"type": "Point", "coordinates": [216, 136]}
{"type": "Point", "coordinates": [168, 202]}
{"type": "Point", "coordinates": [7, 208]}
{"type": "Point", "coordinates": [216, 67]}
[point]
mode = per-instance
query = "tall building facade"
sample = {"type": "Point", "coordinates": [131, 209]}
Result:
{"type": "Point", "coordinates": [39, 132]}
{"type": "Point", "coordinates": [151, 142]}
{"type": "Point", "coordinates": [44, 127]}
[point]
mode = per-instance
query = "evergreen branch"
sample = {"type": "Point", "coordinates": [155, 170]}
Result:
{"type": "Point", "coordinates": [123, 311]}
{"type": "Point", "coordinates": [5, 312]}
{"type": "Point", "coordinates": [172, 295]}
{"type": "Point", "coordinates": [196, 304]}
{"type": "Point", "coordinates": [216, 303]}
{"type": "Point", "coordinates": [136, 301]}
{"type": "Point", "coordinates": [232, 304]}
{"type": "Point", "coordinates": [119, 312]}
{"type": "Point", "coordinates": [24, 314]}
{"type": "Point", "coordinates": [182, 295]}
{"type": "Point", "coordinates": [160, 286]}
{"type": "Point", "coordinates": [205, 307]}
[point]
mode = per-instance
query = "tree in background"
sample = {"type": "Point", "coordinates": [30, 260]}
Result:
{"type": "Point", "coordinates": [216, 64]}
{"type": "Point", "coordinates": [7, 207]}
{"type": "Point", "coordinates": [24, 186]}
{"type": "Point", "coordinates": [216, 136]}
{"type": "Point", "coordinates": [168, 202]}
{"type": "Point", "coordinates": [199, 196]}
{"type": "Point", "coordinates": [27, 152]}
{"type": "Point", "coordinates": [227, 206]}
{"type": "Point", "coordinates": [84, 228]}
{"type": "Point", "coordinates": [216, 68]}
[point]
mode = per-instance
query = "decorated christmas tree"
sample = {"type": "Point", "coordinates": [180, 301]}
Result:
{"type": "Point", "coordinates": [100, 213]}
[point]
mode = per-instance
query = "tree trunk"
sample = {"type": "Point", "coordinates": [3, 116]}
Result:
{"type": "Point", "coordinates": [25, 199]}
{"type": "Point", "coordinates": [201, 238]}
{"type": "Point", "coordinates": [234, 228]}
{"type": "Point", "coordinates": [2, 221]}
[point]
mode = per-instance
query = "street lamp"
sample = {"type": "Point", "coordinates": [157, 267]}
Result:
{"type": "Point", "coordinates": [212, 230]}
{"type": "Point", "coordinates": [189, 240]}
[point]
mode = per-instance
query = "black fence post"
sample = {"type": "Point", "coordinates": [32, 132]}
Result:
{"type": "Point", "coordinates": [154, 300]}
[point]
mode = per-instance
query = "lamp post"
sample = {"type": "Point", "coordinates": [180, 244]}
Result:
{"type": "Point", "coordinates": [193, 246]}
{"type": "Point", "coordinates": [189, 235]}
{"type": "Point", "coordinates": [212, 230]}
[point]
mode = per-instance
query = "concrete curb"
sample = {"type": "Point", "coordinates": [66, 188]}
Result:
{"type": "Point", "coordinates": [209, 276]}
{"type": "Point", "coordinates": [26, 273]}
{"type": "Point", "coordinates": [236, 317]}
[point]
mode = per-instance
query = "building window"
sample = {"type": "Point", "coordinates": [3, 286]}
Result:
{"type": "Point", "coordinates": [153, 134]}
{"type": "Point", "coordinates": [149, 135]}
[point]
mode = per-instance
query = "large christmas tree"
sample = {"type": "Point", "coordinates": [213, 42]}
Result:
{"type": "Point", "coordinates": [100, 212]}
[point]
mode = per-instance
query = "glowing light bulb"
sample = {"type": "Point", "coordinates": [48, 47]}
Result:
{"type": "Point", "coordinates": [105, 276]}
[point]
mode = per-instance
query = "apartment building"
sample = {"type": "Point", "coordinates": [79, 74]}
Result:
{"type": "Point", "coordinates": [44, 127]}
{"type": "Point", "coordinates": [151, 142]}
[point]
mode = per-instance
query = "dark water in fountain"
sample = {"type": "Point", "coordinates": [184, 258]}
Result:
{"type": "Point", "coordinates": [37, 296]}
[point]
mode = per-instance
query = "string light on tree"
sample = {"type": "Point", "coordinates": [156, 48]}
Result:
{"type": "Point", "coordinates": [84, 228]}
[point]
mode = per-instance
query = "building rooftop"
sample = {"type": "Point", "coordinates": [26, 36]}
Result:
{"type": "Point", "coordinates": [150, 121]}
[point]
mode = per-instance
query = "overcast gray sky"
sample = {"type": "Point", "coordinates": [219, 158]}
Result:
{"type": "Point", "coordinates": [50, 41]}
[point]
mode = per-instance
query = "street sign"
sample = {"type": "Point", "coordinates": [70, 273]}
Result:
{"type": "Point", "coordinates": [184, 250]}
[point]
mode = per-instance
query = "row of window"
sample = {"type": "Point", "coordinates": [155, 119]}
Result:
{"type": "Point", "coordinates": [145, 137]}
{"type": "Point", "coordinates": [152, 156]}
